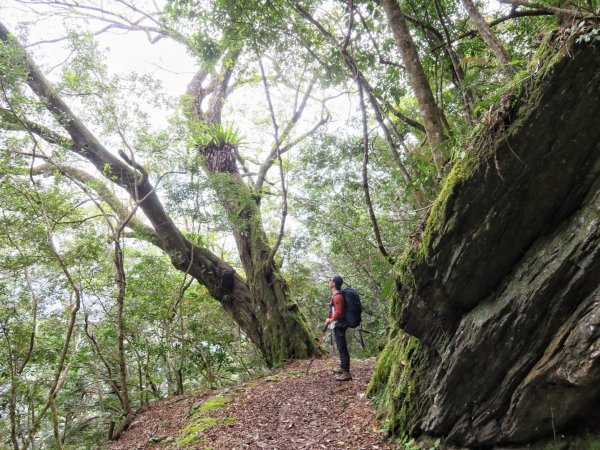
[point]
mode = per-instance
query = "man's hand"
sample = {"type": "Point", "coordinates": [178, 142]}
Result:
{"type": "Point", "coordinates": [328, 321]}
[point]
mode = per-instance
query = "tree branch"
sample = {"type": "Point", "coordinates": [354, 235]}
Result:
{"type": "Point", "coordinates": [284, 211]}
{"type": "Point", "coordinates": [350, 24]}
{"type": "Point", "coordinates": [18, 369]}
{"type": "Point", "coordinates": [96, 349]}
{"type": "Point", "coordinates": [208, 268]}
{"type": "Point", "coordinates": [382, 60]}
{"type": "Point", "coordinates": [88, 181]}
{"type": "Point", "coordinates": [365, 179]}
{"type": "Point", "coordinates": [278, 149]}
{"type": "Point", "coordinates": [553, 9]}
{"type": "Point", "coordinates": [114, 20]}
{"type": "Point", "coordinates": [465, 93]}
{"type": "Point", "coordinates": [58, 379]}
{"type": "Point", "coordinates": [513, 15]}
{"type": "Point", "coordinates": [488, 37]}
{"type": "Point", "coordinates": [219, 87]}
{"type": "Point", "coordinates": [361, 80]}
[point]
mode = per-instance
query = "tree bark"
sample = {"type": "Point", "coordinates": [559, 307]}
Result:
{"type": "Point", "coordinates": [284, 330]}
{"type": "Point", "coordinates": [489, 38]}
{"type": "Point", "coordinates": [432, 116]}
{"type": "Point", "coordinates": [261, 306]}
{"type": "Point", "coordinates": [121, 290]}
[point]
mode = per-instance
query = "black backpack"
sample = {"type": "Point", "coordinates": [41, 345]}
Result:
{"type": "Point", "coordinates": [352, 307]}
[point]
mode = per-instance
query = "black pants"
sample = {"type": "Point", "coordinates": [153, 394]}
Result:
{"type": "Point", "coordinates": [340, 341]}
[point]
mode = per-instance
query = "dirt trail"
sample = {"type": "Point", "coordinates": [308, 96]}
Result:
{"type": "Point", "coordinates": [286, 410]}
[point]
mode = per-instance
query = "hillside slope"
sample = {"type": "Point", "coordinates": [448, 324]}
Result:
{"type": "Point", "coordinates": [290, 409]}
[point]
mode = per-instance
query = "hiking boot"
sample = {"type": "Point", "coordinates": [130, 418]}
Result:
{"type": "Point", "coordinates": [344, 376]}
{"type": "Point", "coordinates": [338, 370]}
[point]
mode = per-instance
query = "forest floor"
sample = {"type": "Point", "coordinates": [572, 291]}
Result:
{"type": "Point", "coordinates": [289, 409]}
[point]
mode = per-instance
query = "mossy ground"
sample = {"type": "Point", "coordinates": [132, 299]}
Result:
{"type": "Point", "coordinates": [191, 435]}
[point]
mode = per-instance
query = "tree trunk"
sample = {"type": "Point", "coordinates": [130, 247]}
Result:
{"type": "Point", "coordinates": [153, 387]}
{"type": "Point", "coordinates": [432, 116]}
{"type": "Point", "coordinates": [489, 38]}
{"type": "Point", "coordinates": [121, 285]}
{"type": "Point", "coordinates": [179, 381]}
{"type": "Point", "coordinates": [363, 83]}
{"type": "Point", "coordinates": [55, 424]}
{"type": "Point", "coordinates": [261, 306]}
{"type": "Point", "coordinates": [283, 333]}
{"type": "Point", "coordinates": [13, 412]}
{"type": "Point", "coordinates": [466, 95]}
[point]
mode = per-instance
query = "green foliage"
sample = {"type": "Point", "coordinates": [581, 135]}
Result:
{"type": "Point", "coordinates": [204, 135]}
{"type": "Point", "coordinates": [406, 442]}
{"type": "Point", "coordinates": [166, 327]}
{"type": "Point", "coordinates": [12, 67]}
{"type": "Point", "coordinates": [178, 332]}
{"type": "Point", "coordinates": [85, 70]}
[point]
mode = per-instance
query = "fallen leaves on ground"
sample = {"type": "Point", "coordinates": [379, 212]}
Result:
{"type": "Point", "coordinates": [290, 409]}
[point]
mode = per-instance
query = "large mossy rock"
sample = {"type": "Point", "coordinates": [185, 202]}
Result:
{"type": "Point", "coordinates": [496, 326]}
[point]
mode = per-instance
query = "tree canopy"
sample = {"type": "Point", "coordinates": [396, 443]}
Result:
{"type": "Point", "coordinates": [155, 242]}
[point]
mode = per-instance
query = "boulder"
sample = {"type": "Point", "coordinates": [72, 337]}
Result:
{"type": "Point", "coordinates": [495, 336]}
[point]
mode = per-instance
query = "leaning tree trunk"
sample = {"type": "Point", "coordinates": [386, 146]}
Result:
{"type": "Point", "coordinates": [283, 331]}
{"type": "Point", "coordinates": [432, 116]}
{"type": "Point", "coordinates": [260, 305]}
{"type": "Point", "coordinates": [489, 37]}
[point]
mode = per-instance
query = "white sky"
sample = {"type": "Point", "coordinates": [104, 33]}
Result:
{"type": "Point", "coordinates": [127, 52]}
{"type": "Point", "coordinates": [165, 60]}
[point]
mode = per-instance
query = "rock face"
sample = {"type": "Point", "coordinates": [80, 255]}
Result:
{"type": "Point", "coordinates": [502, 298]}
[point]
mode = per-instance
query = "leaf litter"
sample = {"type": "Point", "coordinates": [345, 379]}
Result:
{"type": "Point", "coordinates": [292, 408]}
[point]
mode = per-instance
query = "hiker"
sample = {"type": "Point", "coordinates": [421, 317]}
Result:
{"type": "Point", "coordinates": [336, 321]}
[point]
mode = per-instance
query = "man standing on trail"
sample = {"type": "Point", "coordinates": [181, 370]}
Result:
{"type": "Point", "coordinates": [336, 321]}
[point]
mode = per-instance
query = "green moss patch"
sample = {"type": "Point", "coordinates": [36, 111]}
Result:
{"type": "Point", "coordinates": [212, 403]}
{"type": "Point", "coordinates": [281, 376]}
{"type": "Point", "coordinates": [393, 383]}
{"type": "Point", "coordinates": [192, 433]}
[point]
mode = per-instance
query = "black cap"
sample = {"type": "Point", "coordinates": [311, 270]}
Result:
{"type": "Point", "coordinates": [338, 280]}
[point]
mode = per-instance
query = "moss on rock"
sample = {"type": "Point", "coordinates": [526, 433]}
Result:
{"type": "Point", "coordinates": [393, 383]}
{"type": "Point", "coordinates": [521, 176]}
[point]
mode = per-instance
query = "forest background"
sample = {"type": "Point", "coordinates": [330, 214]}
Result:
{"type": "Point", "coordinates": [263, 147]}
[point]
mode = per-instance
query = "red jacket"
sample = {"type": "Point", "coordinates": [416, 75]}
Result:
{"type": "Point", "coordinates": [336, 306]}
